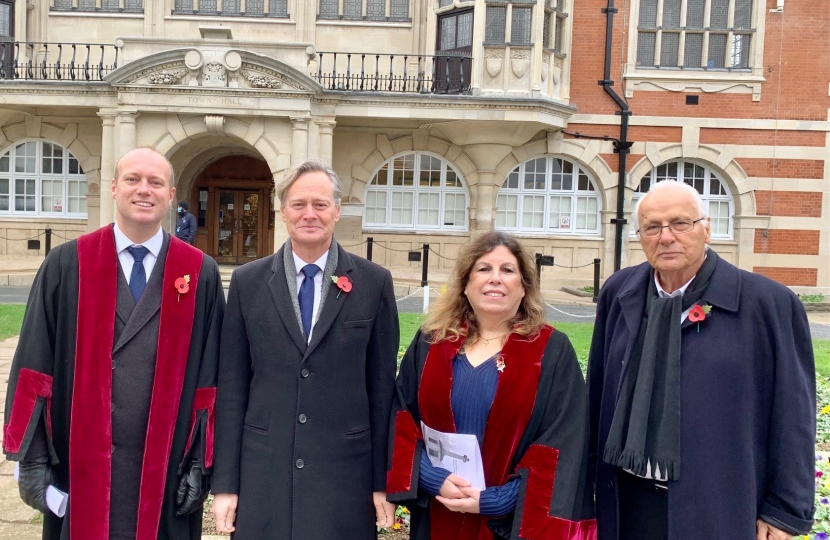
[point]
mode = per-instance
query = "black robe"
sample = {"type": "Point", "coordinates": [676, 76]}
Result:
{"type": "Point", "coordinates": [537, 429]}
{"type": "Point", "coordinates": [65, 384]}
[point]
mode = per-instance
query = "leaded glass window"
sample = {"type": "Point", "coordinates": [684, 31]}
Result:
{"type": "Point", "coordinates": [328, 9]}
{"type": "Point", "coordinates": [400, 9]}
{"type": "Point", "coordinates": [231, 7]}
{"type": "Point", "coordinates": [520, 25]}
{"type": "Point", "coordinates": [279, 8]}
{"type": "Point", "coordinates": [495, 24]}
{"type": "Point", "coordinates": [376, 9]}
{"type": "Point", "coordinates": [704, 41]}
{"type": "Point", "coordinates": [352, 9]}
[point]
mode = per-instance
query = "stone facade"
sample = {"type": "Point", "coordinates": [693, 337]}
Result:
{"type": "Point", "coordinates": [366, 92]}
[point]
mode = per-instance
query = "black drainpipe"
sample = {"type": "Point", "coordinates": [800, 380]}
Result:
{"type": "Point", "coordinates": [623, 145]}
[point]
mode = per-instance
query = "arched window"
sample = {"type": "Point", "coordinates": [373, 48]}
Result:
{"type": "Point", "coordinates": [416, 191]}
{"type": "Point", "coordinates": [41, 178]}
{"type": "Point", "coordinates": [548, 195]}
{"type": "Point", "coordinates": [711, 187]}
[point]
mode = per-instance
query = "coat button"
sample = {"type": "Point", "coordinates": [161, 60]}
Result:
{"type": "Point", "coordinates": [113, 448]}
{"type": "Point", "coordinates": [611, 484]}
{"type": "Point", "coordinates": [304, 373]}
{"type": "Point", "coordinates": [300, 463]}
{"type": "Point", "coordinates": [302, 418]}
{"type": "Point", "coordinates": [113, 364]}
{"type": "Point", "coordinates": [112, 407]}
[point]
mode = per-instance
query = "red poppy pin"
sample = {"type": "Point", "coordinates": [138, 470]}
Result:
{"type": "Point", "coordinates": [182, 285]}
{"type": "Point", "coordinates": [500, 364]}
{"type": "Point", "coordinates": [699, 313]}
{"type": "Point", "coordinates": [343, 283]}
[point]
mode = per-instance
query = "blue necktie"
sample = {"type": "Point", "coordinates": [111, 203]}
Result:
{"type": "Point", "coordinates": [138, 277]}
{"type": "Point", "coordinates": [306, 296]}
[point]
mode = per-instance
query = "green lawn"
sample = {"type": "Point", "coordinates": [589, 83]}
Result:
{"type": "Point", "coordinates": [11, 319]}
{"type": "Point", "coordinates": [579, 334]}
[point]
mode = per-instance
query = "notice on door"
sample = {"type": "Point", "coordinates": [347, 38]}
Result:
{"type": "Point", "coordinates": [57, 204]}
{"type": "Point", "coordinates": [230, 207]}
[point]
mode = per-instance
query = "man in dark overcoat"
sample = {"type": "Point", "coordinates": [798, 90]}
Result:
{"type": "Point", "coordinates": [112, 388]}
{"type": "Point", "coordinates": [306, 381]}
{"type": "Point", "coordinates": [702, 391]}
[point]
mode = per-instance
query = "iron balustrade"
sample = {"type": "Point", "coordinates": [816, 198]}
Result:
{"type": "Point", "coordinates": [417, 74]}
{"type": "Point", "coordinates": [56, 61]}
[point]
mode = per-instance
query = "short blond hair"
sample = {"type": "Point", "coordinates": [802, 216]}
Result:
{"type": "Point", "coordinates": [307, 166]}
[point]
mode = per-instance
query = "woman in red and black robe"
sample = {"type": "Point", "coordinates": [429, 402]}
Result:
{"type": "Point", "coordinates": [486, 364]}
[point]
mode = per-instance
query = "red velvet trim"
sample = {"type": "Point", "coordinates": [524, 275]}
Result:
{"type": "Point", "coordinates": [537, 523]}
{"type": "Point", "coordinates": [205, 400]}
{"type": "Point", "coordinates": [175, 327]}
{"type": "Point", "coordinates": [30, 386]}
{"type": "Point", "coordinates": [90, 435]}
{"type": "Point", "coordinates": [509, 415]}
{"type": "Point", "coordinates": [90, 432]}
{"type": "Point", "coordinates": [407, 433]}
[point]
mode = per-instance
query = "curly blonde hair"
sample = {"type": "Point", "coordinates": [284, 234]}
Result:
{"type": "Point", "coordinates": [452, 316]}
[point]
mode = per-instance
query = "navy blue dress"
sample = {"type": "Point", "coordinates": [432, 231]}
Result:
{"type": "Point", "coordinates": [473, 391]}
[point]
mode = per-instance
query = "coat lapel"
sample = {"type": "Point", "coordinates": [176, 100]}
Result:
{"type": "Point", "coordinates": [125, 304]}
{"type": "Point", "coordinates": [149, 303]}
{"type": "Point", "coordinates": [333, 302]}
{"type": "Point", "coordinates": [283, 301]}
{"type": "Point", "coordinates": [723, 291]}
{"type": "Point", "coordinates": [632, 300]}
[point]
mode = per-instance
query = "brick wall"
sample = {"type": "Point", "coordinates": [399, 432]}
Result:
{"type": "Point", "coordinates": [613, 161]}
{"type": "Point", "coordinates": [787, 241]}
{"type": "Point", "coordinates": [782, 168]}
{"type": "Point", "coordinates": [635, 133]}
{"type": "Point", "coordinates": [788, 203]}
{"type": "Point", "coordinates": [793, 277]}
{"type": "Point", "coordinates": [762, 137]}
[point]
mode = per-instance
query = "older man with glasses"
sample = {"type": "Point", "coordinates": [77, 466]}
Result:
{"type": "Point", "coordinates": [702, 390]}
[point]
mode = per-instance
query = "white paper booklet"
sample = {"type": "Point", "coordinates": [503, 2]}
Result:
{"type": "Point", "coordinates": [459, 454]}
{"type": "Point", "coordinates": [55, 499]}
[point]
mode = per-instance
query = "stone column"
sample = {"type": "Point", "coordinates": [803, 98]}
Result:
{"type": "Point", "coordinates": [485, 202]}
{"type": "Point", "coordinates": [299, 143]}
{"type": "Point", "coordinates": [326, 130]}
{"type": "Point", "coordinates": [127, 139]}
{"type": "Point", "coordinates": [107, 165]}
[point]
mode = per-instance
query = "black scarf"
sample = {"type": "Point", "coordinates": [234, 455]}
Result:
{"type": "Point", "coordinates": [646, 425]}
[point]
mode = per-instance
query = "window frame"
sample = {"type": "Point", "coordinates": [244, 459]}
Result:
{"type": "Point", "coordinates": [707, 197]}
{"type": "Point", "coordinates": [269, 9]}
{"type": "Point", "coordinates": [747, 79]}
{"type": "Point", "coordinates": [548, 193]}
{"type": "Point", "coordinates": [39, 178]}
{"type": "Point", "coordinates": [416, 190]}
{"type": "Point", "coordinates": [75, 6]}
{"type": "Point", "coordinates": [389, 15]}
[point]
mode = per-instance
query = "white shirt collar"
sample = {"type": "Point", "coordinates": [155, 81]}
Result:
{"type": "Point", "coordinates": [153, 244]}
{"type": "Point", "coordinates": [299, 263]}
{"type": "Point", "coordinates": [679, 292]}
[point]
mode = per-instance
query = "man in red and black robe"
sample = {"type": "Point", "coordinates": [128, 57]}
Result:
{"type": "Point", "coordinates": [112, 388]}
{"type": "Point", "coordinates": [535, 435]}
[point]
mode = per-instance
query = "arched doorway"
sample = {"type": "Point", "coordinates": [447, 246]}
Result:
{"type": "Point", "coordinates": [231, 199]}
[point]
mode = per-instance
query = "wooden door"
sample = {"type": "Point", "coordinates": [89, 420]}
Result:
{"type": "Point", "coordinates": [454, 47]}
{"type": "Point", "coordinates": [239, 225]}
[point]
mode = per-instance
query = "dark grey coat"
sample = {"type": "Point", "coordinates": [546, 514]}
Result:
{"type": "Point", "coordinates": [301, 430]}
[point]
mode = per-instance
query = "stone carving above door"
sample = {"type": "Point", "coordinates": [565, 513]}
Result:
{"type": "Point", "coordinates": [213, 69]}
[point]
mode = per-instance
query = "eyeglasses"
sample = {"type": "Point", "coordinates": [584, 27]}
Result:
{"type": "Point", "coordinates": [682, 226]}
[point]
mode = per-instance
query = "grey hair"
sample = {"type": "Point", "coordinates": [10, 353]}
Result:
{"type": "Point", "coordinates": [172, 174]}
{"type": "Point", "coordinates": [307, 166]}
{"type": "Point", "coordinates": [666, 184]}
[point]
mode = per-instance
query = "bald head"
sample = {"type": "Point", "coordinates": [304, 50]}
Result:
{"type": "Point", "coordinates": [145, 152]}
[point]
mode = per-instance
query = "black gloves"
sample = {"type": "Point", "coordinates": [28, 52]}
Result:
{"type": "Point", "coordinates": [34, 477]}
{"type": "Point", "coordinates": [193, 490]}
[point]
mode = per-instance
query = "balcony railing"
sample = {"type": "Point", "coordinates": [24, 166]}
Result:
{"type": "Point", "coordinates": [42, 61]}
{"type": "Point", "coordinates": [416, 74]}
